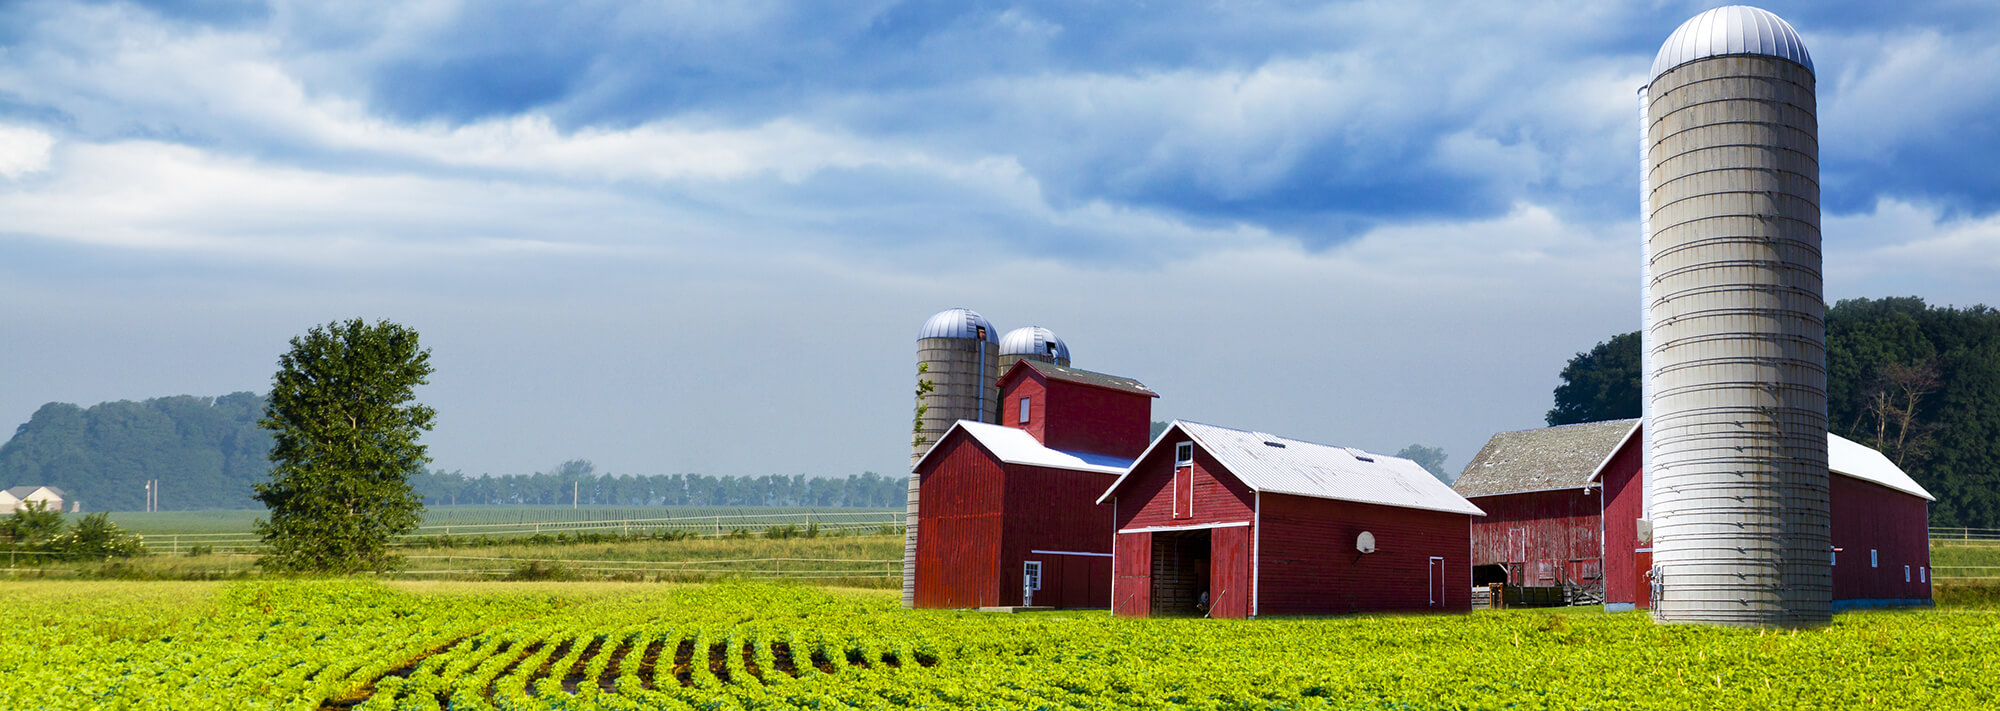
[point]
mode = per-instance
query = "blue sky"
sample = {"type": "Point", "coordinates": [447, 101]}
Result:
{"type": "Point", "coordinates": [676, 236]}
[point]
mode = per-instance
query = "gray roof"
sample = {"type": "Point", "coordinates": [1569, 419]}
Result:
{"type": "Point", "coordinates": [1542, 459]}
{"type": "Point", "coordinates": [1088, 377]}
{"type": "Point", "coordinates": [1034, 340]}
{"type": "Point", "coordinates": [957, 323]}
{"type": "Point", "coordinates": [1736, 29]}
{"type": "Point", "coordinates": [1281, 465]}
{"type": "Point", "coordinates": [22, 492]}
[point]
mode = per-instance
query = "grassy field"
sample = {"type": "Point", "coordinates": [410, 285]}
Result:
{"type": "Point", "coordinates": [324, 644]}
{"type": "Point", "coordinates": [470, 519]}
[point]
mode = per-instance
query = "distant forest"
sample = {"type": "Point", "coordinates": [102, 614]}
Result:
{"type": "Point", "coordinates": [207, 452]}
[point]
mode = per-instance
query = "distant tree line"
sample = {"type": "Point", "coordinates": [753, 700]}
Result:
{"type": "Point", "coordinates": [579, 478]}
{"type": "Point", "coordinates": [208, 453]}
{"type": "Point", "coordinates": [1920, 383]}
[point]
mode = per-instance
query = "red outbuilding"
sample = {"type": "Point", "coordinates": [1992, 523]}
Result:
{"type": "Point", "coordinates": [1266, 525]}
{"type": "Point", "coordinates": [1009, 513]}
{"type": "Point", "coordinates": [1539, 491]}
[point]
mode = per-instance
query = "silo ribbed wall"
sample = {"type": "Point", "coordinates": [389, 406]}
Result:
{"type": "Point", "coordinates": [961, 371]}
{"type": "Point", "coordinates": [1736, 344]}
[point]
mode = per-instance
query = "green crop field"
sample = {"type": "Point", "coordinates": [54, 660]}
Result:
{"type": "Point", "coordinates": [308, 645]}
{"type": "Point", "coordinates": [239, 521]}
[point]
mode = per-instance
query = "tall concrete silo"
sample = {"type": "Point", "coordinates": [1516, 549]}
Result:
{"type": "Point", "coordinates": [1028, 343]}
{"type": "Point", "coordinates": [958, 353]}
{"type": "Point", "coordinates": [1735, 353]}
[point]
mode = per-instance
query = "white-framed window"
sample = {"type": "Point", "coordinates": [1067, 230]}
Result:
{"type": "Point", "coordinates": [1024, 410]}
{"type": "Point", "coordinates": [1184, 454]}
{"type": "Point", "coordinates": [1923, 574]}
{"type": "Point", "coordinates": [1874, 560]}
{"type": "Point", "coordinates": [1031, 574]}
{"type": "Point", "coordinates": [1906, 573]}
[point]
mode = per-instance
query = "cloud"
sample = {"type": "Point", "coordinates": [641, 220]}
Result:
{"type": "Point", "coordinates": [23, 150]}
{"type": "Point", "coordinates": [1909, 248]}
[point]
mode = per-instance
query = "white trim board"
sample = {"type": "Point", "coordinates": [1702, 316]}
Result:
{"type": "Point", "coordinates": [1190, 527]}
{"type": "Point", "coordinates": [1095, 555]}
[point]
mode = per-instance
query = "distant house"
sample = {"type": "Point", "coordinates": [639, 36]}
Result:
{"type": "Point", "coordinates": [1566, 506]}
{"type": "Point", "coordinates": [1265, 525]}
{"type": "Point", "coordinates": [15, 498]}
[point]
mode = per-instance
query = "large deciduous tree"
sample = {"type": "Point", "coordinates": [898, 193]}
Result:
{"type": "Point", "coordinates": [1600, 385]}
{"type": "Point", "coordinates": [345, 423]}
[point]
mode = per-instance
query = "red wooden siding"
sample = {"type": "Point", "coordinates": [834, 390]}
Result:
{"type": "Point", "coordinates": [1543, 537]}
{"type": "Point", "coordinates": [1309, 566]}
{"type": "Point", "coordinates": [1132, 588]}
{"type": "Point", "coordinates": [959, 527]}
{"type": "Point", "coordinates": [1895, 525]}
{"type": "Point", "coordinates": [1056, 510]}
{"type": "Point", "coordinates": [1624, 504]}
{"type": "Point", "coordinates": [1084, 418]}
{"type": "Point", "coordinates": [1147, 497]}
{"type": "Point", "coordinates": [1036, 390]}
{"type": "Point", "coordinates": [1229, 572]}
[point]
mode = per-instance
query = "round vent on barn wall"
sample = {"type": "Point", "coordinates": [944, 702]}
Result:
{"type": "Point", "coordinates": [1365, 542]}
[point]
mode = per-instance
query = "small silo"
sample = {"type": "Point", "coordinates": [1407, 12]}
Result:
{"type": "Point", "coordinates": [1735, 357]}
{"type": "Point", "coordinates": [1028, 343]}
{"type": "Point", "coordinates": [958, 354]}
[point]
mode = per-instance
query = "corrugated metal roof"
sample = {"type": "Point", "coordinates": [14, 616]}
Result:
{"type": "Point", "coordinates": [1855, 460]}
{"type": "Point", "coordinates": [1736, 29]}
{"type": "Point", "coordinates": [957, 323]}
{"type": "Point", "coordinates": [1087, 377]}
{"type": "Point", "coordinates": [1016, 446]}
{"type": "Point", "coordinates": [1035, 341]}
{"type": "Point", "coordinates": [1542, 459]}
{"type": "Point", "coordinates": [1282, 465]}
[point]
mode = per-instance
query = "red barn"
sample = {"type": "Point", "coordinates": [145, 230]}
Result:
{"type": "Point", "coordinates": [1539, 495]}
{"type": "Point", "coordinates": [1010, 515]}
{"type": "Point", "coordinates": [1267, 525]}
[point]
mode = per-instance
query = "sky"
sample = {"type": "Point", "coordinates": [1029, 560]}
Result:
{"type": "Point", "coordinates": [675, 237]}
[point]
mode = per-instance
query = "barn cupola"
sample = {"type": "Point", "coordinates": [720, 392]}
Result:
{"type": "Point", "coordinates": [1077, 410]}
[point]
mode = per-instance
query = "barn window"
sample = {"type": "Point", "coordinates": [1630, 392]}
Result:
{"type": "Point", "coordinates": [1906, 573]}
{"type": "Point", "coordinates": [1031, 574]}
{"type": "Point", "coordinates": [1923, 574]}
{"type": "Point", "coordinates": [1184, 454]}
{"type": "Point", "coordinates": [1024, 411]}
{"type": "Point", "coordinates": [1874, 561]}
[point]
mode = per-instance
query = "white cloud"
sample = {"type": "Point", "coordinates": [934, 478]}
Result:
{"type": "Point", "coordinates": [23, 150]}
{"type": "Point", "coordinates": [1911, 248]}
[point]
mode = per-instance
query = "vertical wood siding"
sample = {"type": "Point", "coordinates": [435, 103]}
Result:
{"type": "Point", "coordinates": [1310, 566]}
{"type": "Point", "coordinates": [1082, 418]}
{"type": "Point", "coordinates": [1543, 537]}
{"type": "Point", "coordinates": [1148, 499]}
{"type": "Point", "coordinates": [1132, 593]}
{"type": "Point", "coordinates": [1229, 576]}
{"type": "Point", "coordinates": [959, 549]}
{"type": "Point", "coordinates": [1030, 387]}
{"type": "Point", "coordinates": [1056, 510]}
{"type": "Point", "coordinates": [1624, 505]}
{"type": "Point", "coordinates": [1895, 525]}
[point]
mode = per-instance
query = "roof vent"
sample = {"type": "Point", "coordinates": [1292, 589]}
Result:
{"type": "Point", "coordinates": [1279, 445]}
{"type": "Point", "coordinates": [1358, 454]}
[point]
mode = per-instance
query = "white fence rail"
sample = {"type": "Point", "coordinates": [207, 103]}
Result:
{"type": "Point", "coordinates": [846, 522]}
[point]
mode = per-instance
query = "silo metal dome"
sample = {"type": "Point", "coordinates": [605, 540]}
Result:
{"type": "Point", "coordinates": [957, 323]}
{"type": "Point", "coordinates": [1034, 341]}
{"type": "Point", "coordinates": [1735, 29]}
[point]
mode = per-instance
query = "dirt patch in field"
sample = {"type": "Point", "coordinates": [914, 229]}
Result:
{"type": "Point", "coordinates": [526, 652]}
{"type": "Point", "coordinates": [718, 661]}
{"type": "Point", "coordinates": [684, 663]}
{"type": "Point", "coordinates": [781, 653]}
{"type": "Point", "coordinates": [573, 679]}
{"type": "Point", "coordinates": [367, 691]}
{"type": "Point", "coordinates": [649, 663]}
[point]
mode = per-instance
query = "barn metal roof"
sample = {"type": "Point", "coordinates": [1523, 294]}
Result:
{"type": "Point", "coordinates": [1855, 460]}
{"type": "Point", "coordinates": [1564, 457]}
{"type": "Point", "coordinates": [1552, 457]}
{"type": "Point", "coordinates": [1087, 377]}
{"type": "Point", "coordinates": [23, 492]}
{"type": "Point", "coordinates": [957, 323]}
{"type": "Point", "coordinates": [1016, 446]}
{"type": "Point", "coordinates": [1035, 341]}
{"type": "Point", "coordinates": [1283, 465]}
{"type": "Point", "coordinates": [1736, 29]}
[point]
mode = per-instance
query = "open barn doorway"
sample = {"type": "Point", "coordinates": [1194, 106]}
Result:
{"type": "Point", "coordinates": [1180, 572]}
